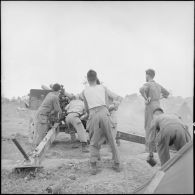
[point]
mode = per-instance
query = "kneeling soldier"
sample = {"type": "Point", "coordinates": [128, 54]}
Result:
{"type": "Point", "coordinates": [75, 109]}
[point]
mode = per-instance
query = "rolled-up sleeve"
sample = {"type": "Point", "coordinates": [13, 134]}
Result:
{"type": "Point", "coordinates": [164, 92]}
{"type": "Point", "coordinates": [144, 89]}
{"type": "Point", "coordinates": [113, 95]}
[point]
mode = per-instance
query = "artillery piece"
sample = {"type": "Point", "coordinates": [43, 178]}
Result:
{"type": "Point", "coordinates": [57, 124]}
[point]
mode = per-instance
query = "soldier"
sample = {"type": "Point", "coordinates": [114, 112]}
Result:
{"type": "Point", "coordinates": [113, 107]}
{"type": "Point", "coordinates": [166, 130]}
{"type": "Point", "coordinates": [112, 102]}
{"type": "Point", "coordinates": [151, 91]}
{"type": "Point", "coordinates": [75, 110]}
{"type": "Point", "coordinates": [99, 122]}
{"type": "Point", "coordinates": [49, 106]}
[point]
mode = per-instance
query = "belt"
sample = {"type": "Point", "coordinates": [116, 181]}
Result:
{"type": "Point", "coordinates": [74, 113]}
{"type": "Point", "coordinates": [95, 109]}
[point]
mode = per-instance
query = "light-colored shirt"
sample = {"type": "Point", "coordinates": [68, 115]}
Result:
{"type": "Point", "coordinates": [154, 91]}
{"type": "Point", "coordinates": [95, 96]}
{"type": "Point", "coordinates": [50, 103]}
{"type": "Point", "coordinates": [76, 106]}
{"type": "Point", "coordinates": [98, 95]}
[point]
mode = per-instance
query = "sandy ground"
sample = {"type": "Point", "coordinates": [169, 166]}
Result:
{"type": "Point", "coordinates": [67, 168]}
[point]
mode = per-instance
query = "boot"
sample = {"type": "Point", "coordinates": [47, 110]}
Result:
{"type": "Point", "coordinates": [84, 147]}
{"type": "Point", "coordinates": [93, 168]}
{"type": "Point", "coordinates": [116, 167]}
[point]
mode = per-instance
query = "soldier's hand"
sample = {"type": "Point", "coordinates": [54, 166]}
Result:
{"type": "Point", "coordinates": [150, 160]}
{"type": "Point", "coordinates": [148, 100]}
{"type": "Point", "coordinates": [111, 107]}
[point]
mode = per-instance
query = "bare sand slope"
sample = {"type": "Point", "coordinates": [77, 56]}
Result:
{"type": "Point", "coordinates": [131, 112]}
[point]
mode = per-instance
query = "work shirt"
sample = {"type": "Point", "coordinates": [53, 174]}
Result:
{"type": "Point", "coordinates": [75, 106]}
{"type": "Point", "coordinates": [50, 103]}
{"type": "Point", "coordinates": [162, 122]}
{"type": "Point", "coordinates": [98, 96]}
{"type": "Point", "coordinates": [153, 90]}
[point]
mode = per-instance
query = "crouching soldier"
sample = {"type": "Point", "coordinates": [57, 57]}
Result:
{"type": "Point", "coordinates": [99, 123]}
{"type": "Point", "coordinates": [74, 110]}
{"type": "Point", "coordinates": [167, 130]}
{"type": "Point", "coordinates": [49, 106]}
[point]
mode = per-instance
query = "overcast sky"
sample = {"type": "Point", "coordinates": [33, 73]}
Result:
{"type": "Point", "coordinates": [48, 42]}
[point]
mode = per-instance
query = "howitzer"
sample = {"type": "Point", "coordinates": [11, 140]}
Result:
{"type": "Point", "coordinates": [57, 124]}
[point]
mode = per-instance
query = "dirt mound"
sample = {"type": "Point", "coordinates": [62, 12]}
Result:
{"type": "Point", "coordinates": [185, 112]}
{"type": "Point", "coordinates": [131, 115]}
{"type": "Point", "coordinates": [131, 112]}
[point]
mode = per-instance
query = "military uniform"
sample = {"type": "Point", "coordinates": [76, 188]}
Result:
{"type": "Point", "coordinates": [75, 109]}
{"type": "Point", "coordinates": [166, 130]}
{"type": "Point", "coordinates": [49, 104]}
{"type": "Point", "coordinates": [99, 122]}
{"type": "Point", "coordinates": [153, 90]}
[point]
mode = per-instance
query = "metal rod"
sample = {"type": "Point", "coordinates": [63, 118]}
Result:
{"type": "Point", "coordinates": [20, 149]}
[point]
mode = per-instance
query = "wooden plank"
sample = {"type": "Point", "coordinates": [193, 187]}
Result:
{"type": "Point", "coordinates": [136, 138]}
{"type": "Point", "coordinates": [130, 137]}
{"type": "Point", "coordinates": [40, 150]}
{"type": "Point", "coordinates": [154, 183]}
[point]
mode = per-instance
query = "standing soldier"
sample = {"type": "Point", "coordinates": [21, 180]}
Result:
{"type": "Point", "coordinates": [49, 106]}
{"type": "Point", "coordinates": [151, 91]}
{"type": "Point", "coordinates": [112, 101]}
{"type": "Point", "coordinates": [99, 122]}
